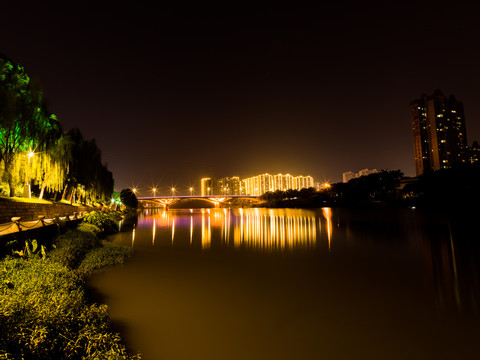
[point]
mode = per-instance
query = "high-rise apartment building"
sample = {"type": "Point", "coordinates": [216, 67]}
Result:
{"type": "Point", "coordinates": [349, 175]}
{"type": "Point", "coordinates": [260, 184]}
{"type": "Point", "coordinates": [228, 186]}
{"type": "Point", "coordinates": [206, 186]}
{"type": "Point", "coordinates": [255, 185]}
{"type": "Point", "coordinates": [439, 135]}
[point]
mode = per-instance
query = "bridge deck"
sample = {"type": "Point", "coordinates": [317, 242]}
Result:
{"type": "Point", "coordinates": [206, 197]}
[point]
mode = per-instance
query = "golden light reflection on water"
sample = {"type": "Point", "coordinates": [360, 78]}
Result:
{"type": "Point", "coordinates": [260, 229]}
{"type": "Point", "coordinates": [327, 213]}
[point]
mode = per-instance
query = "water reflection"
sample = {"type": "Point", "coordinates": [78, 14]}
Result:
{"type": "Point", "coordinates": [313, 284]}
{"type": "Point", "coordinates": [451, 257]}
{"type": "Point", "coordinates": [445, 247]}
{"type": "Point", "coordinates": [261, 229]}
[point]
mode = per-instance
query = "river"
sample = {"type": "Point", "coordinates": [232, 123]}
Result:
{"type": "Point", "coordinates": [297, 284]}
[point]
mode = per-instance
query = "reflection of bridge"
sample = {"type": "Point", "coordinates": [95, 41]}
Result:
{"type": "Point", "coordinates": [217, 200]}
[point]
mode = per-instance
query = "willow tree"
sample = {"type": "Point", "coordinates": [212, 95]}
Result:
{"type": "Point", "coordinates": [88, 177]}
{"type": "Point", "coordinates": [51, 166]}
{"type": "Point", "coordinates": [25, 124]}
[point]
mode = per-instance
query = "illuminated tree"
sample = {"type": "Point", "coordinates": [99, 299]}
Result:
{"type": "Point", "coordinates": [25, 123]}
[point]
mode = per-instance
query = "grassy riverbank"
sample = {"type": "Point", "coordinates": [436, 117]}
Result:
{"type": "Point", "coordinates": [44, 311]}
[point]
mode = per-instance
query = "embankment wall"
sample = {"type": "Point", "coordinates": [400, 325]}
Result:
{"type": "Point", "coordinates": [31, 211]}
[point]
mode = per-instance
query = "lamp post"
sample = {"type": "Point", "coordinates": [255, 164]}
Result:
{"type": "Point", "coordinates": [191, 190]}
{"type": "Point", "coordinates": [26, 189]}
{"type": "Point", "coordinates": [173, 191]}
{"type": "Point", "coordinates": [154, 190]}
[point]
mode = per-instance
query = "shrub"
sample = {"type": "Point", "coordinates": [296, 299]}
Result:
{"type": "Point", "coordinates": [72, 247]}
{"type": "Point", "coordinates": [85, 227]}
{"type": "Point", "coordinates": [44, 315]}
{"type": "Point", "coordinates": [107, 222]}
{"type": "Point", "coordinates": [108, 254]}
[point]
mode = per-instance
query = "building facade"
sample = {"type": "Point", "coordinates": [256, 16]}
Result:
{"type": "Point", "coordinates": [349, 175]}
{"type": "Point", "coordinates": [255, 185]}
{"type": "Point", "coordinates": [439, 134]}
{"type": "Point", "coordinates": [260, 184]}
{"type": "Point", "coordinates": [206, 187]}
{"type": "Point", "coordinates": [228, 186]}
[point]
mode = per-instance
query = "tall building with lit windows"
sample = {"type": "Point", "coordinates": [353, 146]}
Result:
{"type": "Point", "coordinates": [439, 135]}
{"type": "Point", "coordinates": [260, 184]}
{"type": "Point", "coordinates": [206, 186]}
{"type": "Point", "coordinates": [228, 186]}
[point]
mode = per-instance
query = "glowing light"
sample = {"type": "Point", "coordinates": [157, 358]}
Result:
{"type": "Point", "coordinates": [327, 213]}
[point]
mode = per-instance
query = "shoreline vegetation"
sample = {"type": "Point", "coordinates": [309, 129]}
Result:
{"type": "Point", "coordinates": [438, 190]}
{"type": "Point", "coordinates": [45, 312]}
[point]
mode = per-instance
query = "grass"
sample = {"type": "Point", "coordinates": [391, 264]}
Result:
{"type": "Point", "coordinates": [44, 312]}
{"type": "Point", "coordinates": [25, 200]}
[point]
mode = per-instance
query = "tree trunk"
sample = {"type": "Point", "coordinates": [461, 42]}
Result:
{"type": "Point", "coordinates": [44, 185]}
{"type": "Point", "coordinates": [64, 191]}
{"type": "Point", "coordinates": [8, 162]}
{"type": "Point", "coordinates": [72, 196]}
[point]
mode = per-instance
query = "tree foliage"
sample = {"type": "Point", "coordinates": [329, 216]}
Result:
{"type": "Point", "coordinates": [62, 161]}
{"type": "Point", "coordinates": [25, 123]}
{"type": "Point", "coordinates": [128, 198]}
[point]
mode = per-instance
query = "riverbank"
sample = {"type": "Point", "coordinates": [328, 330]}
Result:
{"type": "Point", "coordinates": [31, 209]}
{"type": "Point", "coordinates": [44, 310]}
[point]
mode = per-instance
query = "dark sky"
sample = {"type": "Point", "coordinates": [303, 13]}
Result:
{"type": "Point", "coordinates": [173, 94]}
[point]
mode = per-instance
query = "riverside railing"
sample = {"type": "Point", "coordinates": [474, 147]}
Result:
{"type": "Point", "coordinates": [16, 225]}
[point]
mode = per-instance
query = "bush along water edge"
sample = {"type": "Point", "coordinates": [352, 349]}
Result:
{"type": "Point", "coordinates": [44, 310]}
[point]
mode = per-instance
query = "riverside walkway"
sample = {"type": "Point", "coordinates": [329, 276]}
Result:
{"type": "Point", "coordinates": [17, 225]}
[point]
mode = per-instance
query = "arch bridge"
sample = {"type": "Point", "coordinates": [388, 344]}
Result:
{"type": "Point", "coordinates": [217, 200]}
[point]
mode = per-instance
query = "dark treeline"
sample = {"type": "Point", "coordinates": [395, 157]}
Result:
{"type": "Point", "coordinates": [35, 150]}
{"type": "Point", "coordinates": [459, 186]}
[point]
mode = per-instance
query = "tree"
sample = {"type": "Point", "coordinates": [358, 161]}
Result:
{"type": "Point", "coordinates": [25, 123]}
{"type": "Point", "coordinates": [128, 198]}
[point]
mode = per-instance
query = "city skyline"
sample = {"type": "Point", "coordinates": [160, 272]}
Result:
{"type": "Point", "coordinates": [172, 95]}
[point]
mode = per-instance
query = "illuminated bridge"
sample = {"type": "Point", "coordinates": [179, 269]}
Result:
{"type": "Point", "coordinates": [168, 200]}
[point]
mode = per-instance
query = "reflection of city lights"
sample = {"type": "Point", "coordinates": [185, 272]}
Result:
{"type": "Point", "coordinates": [327, 213]}
{"type": "Point", "coordinates": [153, 232]}
{"type": "Point", "coordinates": [258, 229]}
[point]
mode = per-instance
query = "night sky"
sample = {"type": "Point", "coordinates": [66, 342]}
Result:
{"type": "Point", "coordinates": [173, 94]}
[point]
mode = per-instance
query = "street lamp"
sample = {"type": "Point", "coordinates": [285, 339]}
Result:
{"type": "Point", "coordinates": [191, 190]}
{"type": "Point", "coordinates": [134, 191]}
{"type": "Point", "coordinates": [154, 190]}
{"type": "Point", "coordinates": [173, 191]}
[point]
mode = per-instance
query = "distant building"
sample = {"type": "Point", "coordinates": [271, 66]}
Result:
{"type": "Point", "coordinates": [349, 175]}
{"type": "Point", "coordinates": [474, 153]}
{"type": "Point", "coordinates": [228, 186]}
{"type": "Point", "coordinates": [255, 185]}
{"type": "Point", "coordinates": [206, 187]}
{"type": "Point", "coordinates": [260, 184]}
{"type": "Point", "coordinates": [439, 135]}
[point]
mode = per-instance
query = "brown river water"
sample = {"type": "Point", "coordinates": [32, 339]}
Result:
{"type": "Point", "coordinates": [298, 284]}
